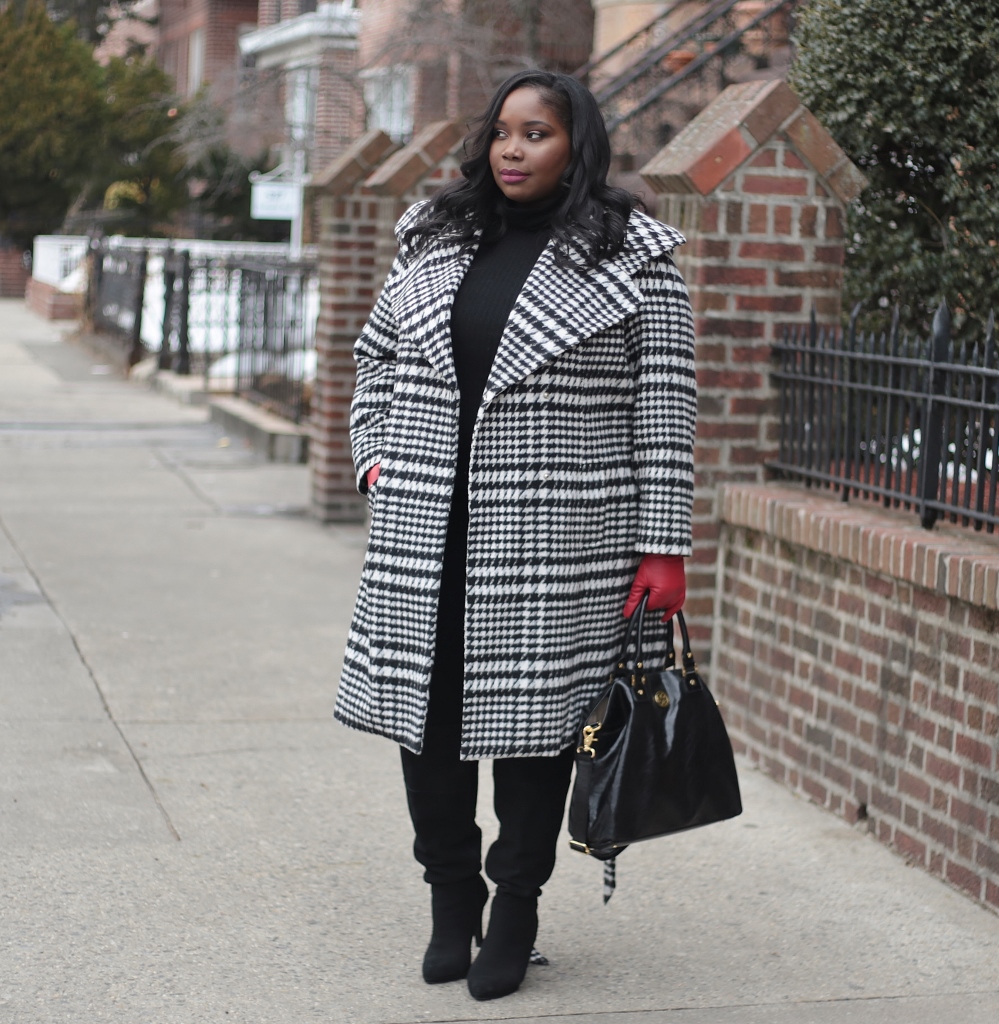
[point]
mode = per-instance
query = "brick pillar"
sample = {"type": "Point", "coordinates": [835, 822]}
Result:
{"type": "Point", "coordinates": [339, 108]}
{"type": "Point", "coordinates": [13, 276]}
{"type": "Point", "coordinates": [350, 275]}
{"type": "Point", "coordinates": [268, 13]}
{"type": "Point", "coordinates": [361, 195]}
{"type": "Point", "coordinates": [759, 188]}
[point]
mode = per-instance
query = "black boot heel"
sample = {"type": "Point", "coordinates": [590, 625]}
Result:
{"type": "Point", "coordinates": [457, 913]}
{"type": "Point", "coordinates": [502, 963]}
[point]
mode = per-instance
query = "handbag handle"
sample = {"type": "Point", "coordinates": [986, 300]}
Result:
{"type": "Point", "coordinates": [689, 667]}
{"type": "Point", "coordinates": [636, 626]}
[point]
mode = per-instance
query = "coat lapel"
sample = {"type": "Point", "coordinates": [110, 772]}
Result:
{"type": "Point", "coordinates": [424, 300]}
{"type": "Point", "coordinates": [559, 307]}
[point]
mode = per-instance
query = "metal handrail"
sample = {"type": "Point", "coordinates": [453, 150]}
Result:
{"type": "Point", "coordinates": [717, 10]}
{"type": "Point", "coordinates": [594, 62]}
{"type": "Point", "coordinates": [695, 65]}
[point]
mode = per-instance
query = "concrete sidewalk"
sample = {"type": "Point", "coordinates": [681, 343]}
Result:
{"type": "Point", "coordinates": [187, 836]}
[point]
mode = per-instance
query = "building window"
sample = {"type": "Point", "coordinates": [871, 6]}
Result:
{"type": "Point", "coordinates": [195, 60]}
{"type": "Point", "coordinates": [388, 96]}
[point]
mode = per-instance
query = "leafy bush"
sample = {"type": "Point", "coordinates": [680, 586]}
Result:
{"type": "Point", "coordinates": [910, 90]}
{"type": "Point", "coordinates": [50, 120]}
{"type": "Point", "coordinates": [136, 160]}
{"type": "Point", "coordinates": [71, 129]}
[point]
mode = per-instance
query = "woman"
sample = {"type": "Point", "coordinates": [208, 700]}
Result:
{"type": "Point", "coordinates": [523, 426]}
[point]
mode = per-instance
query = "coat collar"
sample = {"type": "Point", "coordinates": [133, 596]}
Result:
{"type": "Point", "coordinates": [557, 308]}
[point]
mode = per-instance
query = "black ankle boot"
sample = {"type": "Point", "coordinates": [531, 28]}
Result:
{"type": "Point", "coordinates": [457, 912]}
{"type": "Point", "coordinates": [502, 962]}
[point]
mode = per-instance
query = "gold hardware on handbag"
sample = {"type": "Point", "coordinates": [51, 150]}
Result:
{"type": "Point", "coordinates": [589, 738]}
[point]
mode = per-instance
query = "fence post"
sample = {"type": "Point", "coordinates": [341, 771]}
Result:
{"type": "Point", "coordinates": [169, 276]}
{"type": "Point", "coordinates": [988, 398]}
{"type": "Point", "coordinates": [929, 478]}
{"type": "Point", "coordinates": [183, 340]}
{"type": "Point", "coordinates": [96, 279]}
{"type": "Point", "coordinates": [135, 355]}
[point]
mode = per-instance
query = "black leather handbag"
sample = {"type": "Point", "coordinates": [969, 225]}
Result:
{"type": "Point", "coordinates": [654, 756]}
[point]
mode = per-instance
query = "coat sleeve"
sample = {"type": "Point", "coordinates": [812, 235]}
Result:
{"type": "Point", "coordinates": [375, 355]}
{"type": "Point", "coordinates": [665, 415]}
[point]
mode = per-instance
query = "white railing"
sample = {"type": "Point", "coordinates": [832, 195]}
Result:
{"type": "Point", "coordinates": [202, 247]}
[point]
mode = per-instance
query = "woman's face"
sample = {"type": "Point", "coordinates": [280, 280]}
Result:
{"type": "Point", "coordinates": [530, 149]}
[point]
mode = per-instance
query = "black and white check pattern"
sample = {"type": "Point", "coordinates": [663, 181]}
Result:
{"type": "Point", "coordinates": [582, 459]}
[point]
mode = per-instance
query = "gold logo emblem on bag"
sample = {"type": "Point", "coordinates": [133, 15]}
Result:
{"type": "Point", "coordinates": [661, 698]}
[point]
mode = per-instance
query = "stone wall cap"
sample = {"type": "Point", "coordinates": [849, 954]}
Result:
{"type": "Point", "coordinates": [355, 163]}
{"type": "Point", "coordinates": [947, 561]}
{"type": "Point", "coordinates": [741, 120]}
{"type": "Point", "coordinates": [406, 168]}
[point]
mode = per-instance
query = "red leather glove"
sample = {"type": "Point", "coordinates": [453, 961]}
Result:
{"type": "Point", "coordinates": [372, 474]}
{"type": "Point", "coordinates": [663, 576]}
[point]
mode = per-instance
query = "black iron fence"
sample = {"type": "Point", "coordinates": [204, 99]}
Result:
{"type": "Point", "coordinates": [246, 323]}
{"type": "Point", "coordinates": [200, 314]}
{"type": "Point", "coordinates": [913, 423]}
{"type": "Point", "coordinates": [117, 286]}
{"type": "Point", "coordinates": [276, 341]}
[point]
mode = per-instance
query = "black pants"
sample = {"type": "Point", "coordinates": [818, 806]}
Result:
{"type": "Point", "coordinates": [529, 792]}
{"type": "Point", "coordinates": [529, 800]}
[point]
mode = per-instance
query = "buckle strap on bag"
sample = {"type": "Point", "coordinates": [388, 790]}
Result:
{"type": "Point", "coordinates": [579, 803]}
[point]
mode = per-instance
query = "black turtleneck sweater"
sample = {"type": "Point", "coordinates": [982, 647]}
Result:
{"type": "Point", "coordinates": [483, 303]}
{"type": "Point", "coordinates": [479, 315]}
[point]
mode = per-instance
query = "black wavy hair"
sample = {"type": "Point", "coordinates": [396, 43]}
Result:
{"type": "Point", "coordinates": [588, 225]}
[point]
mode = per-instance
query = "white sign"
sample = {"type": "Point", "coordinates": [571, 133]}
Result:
{"type": "Point", "coordinates": [275, 200]}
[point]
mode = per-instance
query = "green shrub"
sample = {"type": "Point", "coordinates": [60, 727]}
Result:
{"type": "Point", "coordinates": [910, 90]}
{"type": "Point", "coordinates": [50, 120]}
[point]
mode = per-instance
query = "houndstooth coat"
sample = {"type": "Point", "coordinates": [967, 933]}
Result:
{"type": "Point", "coordinates": [581, 460]}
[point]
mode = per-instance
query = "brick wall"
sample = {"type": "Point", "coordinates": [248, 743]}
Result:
{"type": "Point", "coordinates": [758, 188]}
{"type": "Point", "coordinates": [46, 300]}
{"type": "Point", "coordinates": [13, 276]}
{"type": "Point", "coordinates": [219, 20]}
{"type": "Point", "coordinates": [339, 105]}
{"type": "Point", "coordinates": [222, 34]}
{"type": "Point", "coordinates": [268, 13]}
{"type": "Point", "coordinates": [856, 659]}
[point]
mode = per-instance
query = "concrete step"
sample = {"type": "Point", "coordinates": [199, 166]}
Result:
{"type": "Point", "coordinates": [277, 439]}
